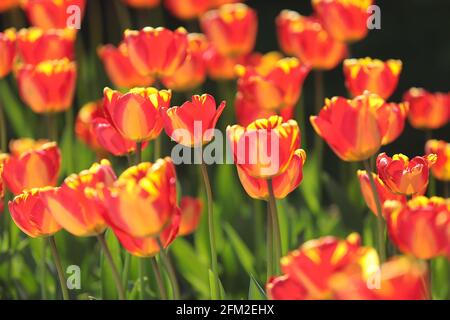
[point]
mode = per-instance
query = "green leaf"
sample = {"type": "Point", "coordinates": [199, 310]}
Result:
{"type": "Point", "coordinates": [310, 186]}
{"type": "Point", "coordinates": [109, 290]}
{"type": "Point", "coordinates": [255, 291]}
{"type": "Point", "coordinates": [240, 248]}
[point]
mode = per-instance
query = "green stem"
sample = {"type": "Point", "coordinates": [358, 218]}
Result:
{"type": "Point", "coordinates": [138, 153]}
{"type": "Point", "coordinates": [3, 132]}
{"type": "Point", "coordinates": [59, 269]}
{"type": "Point", "coordinates": [126, 268]}
{"type": "Point", "coordinates": [52, 126]}
{"type": "Point", "coordinates": [159, 280]}
{"type": "Point", "coordinates": [276, 227]}
{"type": "Point", "coordinates": [157, 148]}
{"type": "Point", "coordinates": [141, 279]}
{"type": "Point", "coordinates": [318, 104]}
{"type": "Point", "coordinates": [43, 269]}
{"type": "Point", "coordinates": [115, 273]}
{"type": "Point", "coordinates": [430, 278]}
{"type": "Point", "coordinates": [170, 270]}
{"type": "Point", "coordinates": [380, 221]}
{"type": "Point", "coordinates": [212, 236]}
{"type": "Point", "coordinates": [269, 244]}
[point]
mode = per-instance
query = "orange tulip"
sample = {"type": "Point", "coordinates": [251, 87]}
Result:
{"type": "Point", "coordinates": [283, 184]}
{"type": "Point", "coordinates": [308, 271]}
{"type": "Point", "coordinates": [391, 120]}
{"type": "Point", "coordinates": [345, 20]}
{"type": "Point", "coordinates": [420, 227]}
{"type": "Point", "coordinates": [119, 68]}
{"type": "Point", "coordinates": [231, 29]}
{"type": "Point", "coordinates": [23, 145]}
{"type": "Point", "coordinates": [50, 14]}
{"type": "Point", "coordinates": [192, 72]}
{"type": "Point", "coordinates": [441, 169]}
{"type": "Point", "coordinates": [32, 169]}
{"type": "Point", "coordinates": [192, 124]}
{"type": "Point", "coordinates": [31, 215]}
{"type": "Point", "coordinates": [8, 51]}
{"type": "Point", "coordinates": [351, 127]}
{"type": "Point", "coordinates": [6, 5]}
{"type": "Point", "coordinates": [221, 67]}
{"type": "Point", "coordinates": [3, 157]}
{"type": "Point", "coordinates": [143, 200]}
{"type": "Point", "coordinates": [383, 192]}
{"type": "Point", "coordinates": [191, 211]}
{"type": "Point", "coordinates": [373, 75]}
{"type": "Point", "coordinates": [148, 247]}
{"type": "Point", "coordinates": [265, 148]}
{"type": "Point", "coordinates": [48, 86]}
{"type": "Point", "coordinates": [186, 9]}
{"type": "Point", "coordinates": [76, 205]}
{"type": "Point", "coordinates": [404, 176]}
{"type": "Point", "coordinates": [306, 38]}
{"type": "Point", "coordinates": [401, 278]}
{"type": "Point", "coordinates": [135, 114]}
{"type": "Point", "coordinates": [156, 52]}
{"type": "Point", "coordinates": [427, 110]}
{"type": "Point", "coordinates": [273, 88]}
{"type": "Point", "coordinates": [142, 3]}
{"type": "Point", "coordinates": [36, 45]}
{"type": "Point", "coordinates": [84, 125]}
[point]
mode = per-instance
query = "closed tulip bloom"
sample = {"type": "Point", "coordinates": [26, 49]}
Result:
{"type": "Point", "coordinates": [192, 72]}
{"type": "Point", "coordinates": [36, 45]}
{"type": "Point", "coordinates": [142, 3]}
{"type": "Point", "coordinates": [376, 76]}
{"type": "Point", "coordinates": [345, 20]}
{"type": "Point", "coordinates": [111, 140]}
{"type": "Point", "coordinates": [119, 68]}
{"type": "Point", "coordinates": [427, 110]}
{"type": "Point", "coordinates": [231, 29]}
{"type": "Point", "coordinates": [6, 5]}
{"type": "Point", "coordinates": [351, 127]}
{"type": "Point", "coordinates": [192, 124]}
{"type": "Point", "coordinates": [284, 22]}
{"type": "Point", "coordinates": [273, 88]}
{"type": "Point", "coordinates": [51, 14]}
{"type": "Point", "coordinates": [76, 205]}
{"type": "Point", "coordinates": [31, 215]}
{"type": "Point", "coordinates": [135, 114]}
{"type": "Point", "coordinates": [283, 184]}
{"type": "Point", "coordinates": [143, 200]}
{"type": "Point", "coordinates": [36, 168]}
{"type": "Point", "coordinates": [441, 169]}
{"type": "Point", "coordinates": [308, 271]}
{"type": "Point", "coordinates": [265, 148]}
{"type": "Point", "coordinates": [404, 176]}
{"type": "Point", "coordinates": [391, 119]}
{"type": "Point", "coordinates": [8, 51]}
{"type": "Point", "coordinates": [84, 125]}
{"type": "Point", "coordinates": [3, 157]}
{"type": "Point", "coordinates": [149, 247]}
{"type": "Point", "coordinates": [191, 212]}
{"type": "Point", "coordinates": [383, 192]}
{"type": "Point", "coordinates": [48, 86]}
{"type": "Point", "coordinates": [23, 145]}
{"type": "Point", "coordinates": [156, 52]}
{"type": "Point", "coordinates": [187, 9]}
{"type": "Point", "coordinates": [420, 227]}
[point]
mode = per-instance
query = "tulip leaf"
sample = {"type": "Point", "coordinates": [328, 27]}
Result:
{"type": "Point", "coordinates": [240, 248]}
{"type": "Point", "coordinates": [109, 290]}
{"type": "Point", "coordinates": [255, 291]}
{"type": "Point", "coordinates": [310, 186]}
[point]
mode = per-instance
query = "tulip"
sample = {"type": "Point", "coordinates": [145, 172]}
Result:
{"type": "Point", "coordinates": [48, 86]}
{"type": "Point", "coordinates": [191, 211]}
{"type": "Point", "coordinates": [186, 9]}
{"type": "Point", "coordinates": [23, 145]}
{"type": "Point", "coordinates": [427, 110]}
{"type": "Point", "coordinates": [420, 227]}
{"type": "Point", "coordinates": [345, 20]}
{"type": "Point", "coordinates": [351, 127]}
{"type": "Point", "coordinates": [135, 114]}
{"type": "Point", "coordinates": [36, 45]}
{"type": "Point", "coordinates": [111, 140]}
{"type": "Point", "coordinates": [31, 215]}
{"type": "Point", "coordinates": [8, 50]}
{"type": "Point", "coordinates": [306, 38]}
{"type": "Point", "coordinates": [3, 158]}
{"type": "Point", "coordinates": [231, 29]}
{"type": "Point", "coordinates": [308, 271]}
{"type": "Point", "coordinates": [6, 5]}
{"type": "Point", "coordinates": [120, 69]}
{"type": "Point", "coordinates": [36, 168]}
{"type": "Point", "coordinates": [142, 3]}
{"type": "Point", "coordinates": [273, 88]}
{"type": "Point", "coordinates": [143, 200]}
{"type": "Point", "coordinates": [192, 73]}
{"type": "Point", "coordinates": [192, 124]}
{"type": "Point", "coordinates": [441, 169]}
{"type": "Point", "coordinates": [383, 192]}
{"type": "Point", "coordinates": [76, 205]}
{"type": "Point", "coordinates": [373, 75]}
{"type": "Point", "coordinates": [221, 67]}
{"type": "Point", "coordinates": [84, 125]}
{"type": "Point", "coordinates": [156, 52]}
{"type": "Point", "coordinates": [404, 176]}
{"type": "Point", "coordinates": [391, 119]}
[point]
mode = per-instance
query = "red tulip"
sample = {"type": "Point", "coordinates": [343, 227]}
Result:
{"type": "Point", "coordinates": [3, 158]}
{"type": "Point", "coordinates": [142, 3]}
{"type": "Point", "coordinates": [191, 211]}
{"type": "Point", "coordinates": [8, 50]}
{"type": "Point", "coordinates": [23, 145]}
{"type": "Point", "coordinates": [84, 125]}
{"type": "Point", "coordinates": [6, 5]}
{"type": "Point", "coordinates": [441, 169]}
{"type": "Point", "coordinates": [186, 9]}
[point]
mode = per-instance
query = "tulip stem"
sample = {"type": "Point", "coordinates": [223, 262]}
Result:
{"type": "Point", "coordinates": [318, 101]}
{"type": "Point", "coordinates": [170, 270]}
{"type": "Point", "coordinates": [157, 148]}
{"type": "Point", "coordinates": [380, 222]}
{"type": "Point", "coordinates": [159, 280]}
{"type": "Point", "coordinates": [276, 227]}
{"type": "Point", "coordinates": [141, 279]}
{"type": "Point", "coordinates": [3, 133]}
{"type": "Point", "coordinates": [115, 273]}
{"type": "Point", "coordinates": [138, 153]}
{"type": "Point", "coordinates": [212, 236]}
{"type": "Point", "coordinates": [43, 269]}
{"type": "Point", "coordinates": [52, 126]}
{"type": "Point", "coordinates": [59, 269]}
{"type": "Point", "coordinates": [269, 244]}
